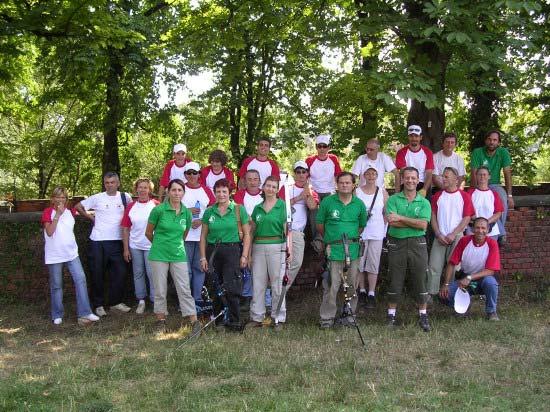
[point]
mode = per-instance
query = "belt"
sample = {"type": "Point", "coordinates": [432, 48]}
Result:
{"type": "Point", "coordinates": [339, 241]}
{"type": "Point", "coordinates": [268, 238]}
{"type": "Point", "coordinates": [225, 244]}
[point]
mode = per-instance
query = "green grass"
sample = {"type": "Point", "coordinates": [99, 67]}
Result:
{"type": "Point", "coordinates": [120, 364]}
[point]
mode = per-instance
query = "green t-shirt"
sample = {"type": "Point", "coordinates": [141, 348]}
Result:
{"type": "Point", "coordinates": [499, 160]}
{"type": "Point", "coordinates": [223, 228]}
{"type": "Point", "coordinates": [419, 208]}
{"type": "Point", "coordinates": [270, 224]}
{"type": "Point", "coordinates": [169, 233]}
{"type": "Point", "coordinates": [338, 219]}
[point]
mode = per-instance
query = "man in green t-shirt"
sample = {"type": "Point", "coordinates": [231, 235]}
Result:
{"type": "Point", "coordinates": [408, 216]}
{"type": "Point", "coordinates": [495, 157]}
{"type": "Point", "coordinates": [340, 213]}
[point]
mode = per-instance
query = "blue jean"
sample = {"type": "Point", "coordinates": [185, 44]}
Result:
{"type": "Point", "coordinates": [504, 199]}
{"type": "Point", "coordinates": [487, 286]}
{"type": "Point", "coordinates": [56, 288]}
{"type": "Point", "coordinates": [196, 275]}
{"type": "Point", "coordinates": [141, 267]}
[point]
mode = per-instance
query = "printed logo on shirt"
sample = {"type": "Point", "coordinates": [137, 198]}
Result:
{"type": "Point", "coordinates": [258, 218]}
{"type": "Point", "coordinates": [417, 211]}
{"type": "Point", "coordinates": [183, 223]}
{"type": "Point", "coordinates": [335, 214]}
{"type": "Point", "coordinates": [211, 219]}
{"type": "Point", "coordinates": [485, 162]}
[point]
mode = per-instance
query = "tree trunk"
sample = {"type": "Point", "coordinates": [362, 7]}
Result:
{"type": "Point", "coordinates": [111, 161]}
{"type": "Point", "coordinates": [483, 112]}
{"type": "Point", "coordinates": [235, 111]}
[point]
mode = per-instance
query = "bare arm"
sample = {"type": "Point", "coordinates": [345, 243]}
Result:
{"type": "Point", "coordinates": [459, 229]}
{"type": "Point", "coordinates": [508, 184]}
{"type": "Point", "coordinates": [149, 232]}
{"type": "Point", "coordinates": [202, 247]}
{"type": "Point", "coordinates": [473, 181]}
{"type": "Point", "coordinates": [320, 229]}
{"type": "Point", "coordinates": [496, 216]}
{"type": "Point", "coordinates": [428, 180]}
{"type": "Point", "coordinates": [438, 235]}
{"type": "Point", "coordinates": [247, 240]}
{"type": "Point", "coordinates": [125, 244]}
{"type": "Point", "coordinates": [397, 181]}
{"type": "Point", "coordinates": [82, 211]}
{"type": "Point", "coordinates": [396, 220]}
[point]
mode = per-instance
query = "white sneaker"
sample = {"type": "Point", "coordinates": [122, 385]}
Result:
{"type": "Point", "coordinates": [121, 307]}
{"type": "Point", "coordinates": [91, 317]}
{"type": "Point", "coordinates": [140, 307]}
{"type": "Point", "coordinates": [100, 311]}
{"type": "Point", "coordinates": [57, 321]}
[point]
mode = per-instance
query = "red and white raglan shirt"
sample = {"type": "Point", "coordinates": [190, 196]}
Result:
{"type": "Point", "coordinates": [422, 160]}
{"type": "Point", "coordinates": [486, 204]}
{"type": "Point", "coordinates": [61, 245]}
{"type": "Point", "coordinates": [204, 196]}
{"type": "Point", "coordinates": [209, 177]}
{"type": "Point", "coordinates": [299, 209]}
{"type": "Point", "coordinates": [173, 171]}
{"type": "Point", "coordinates": [265, 168]}
{"type": "Point", "coordinates": [323, 172]}
{"type": "Point", "coordinates": [108, 215]}
{"type": "Point", "coordinates": [135, 218]}
{"type": "Point", "coordinates": [450, 208]}
{"type": "Point", "coordinates": [474, 258]}
{"type": "Point", "coordinates": [248, 200]}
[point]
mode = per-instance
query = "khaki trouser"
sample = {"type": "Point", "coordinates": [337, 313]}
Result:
{"type": "Point", "coordinates": [298, 245]}
{"type": "Point", "coordinates": [268, 262]}
{"type": "Point", "coordinates": [180, 276]}
{"type": "Point", "coordinates": [439, 256]}
{"type": "Point", "coordinates": [330, 292]}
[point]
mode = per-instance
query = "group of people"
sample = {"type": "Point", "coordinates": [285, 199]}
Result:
{"type": "Point", "coordinates": [235, 243]}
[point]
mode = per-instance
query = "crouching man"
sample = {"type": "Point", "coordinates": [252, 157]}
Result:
{"type": "Point", "coordinates": [479, 258]}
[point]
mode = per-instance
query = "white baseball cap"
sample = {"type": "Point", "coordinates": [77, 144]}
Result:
{"type": "Point", "coordinates": [191, 166]}
{"type": "Point", "coordinates": [323, 139]}
{"type": "Point", "coordinates": [300, 163]}
{"type": "Point", "coordinates": [180, 147]}
{"type": "Point", "coordinates": [462, 301]}
{"type": "Point", "coordinates": [414, 129]}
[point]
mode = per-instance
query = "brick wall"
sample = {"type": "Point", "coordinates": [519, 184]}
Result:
{"type": "Point", "coordinates": [23, 274]}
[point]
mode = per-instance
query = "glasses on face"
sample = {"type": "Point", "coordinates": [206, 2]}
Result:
{"type": "Point", "coordinates": [322, 146]}
{"type": "Point", "coordinates": [300, 171]}
{"type": "Point", "coordinates": [192, 172]}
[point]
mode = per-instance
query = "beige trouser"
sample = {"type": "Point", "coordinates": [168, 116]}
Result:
{"type": "Point", "coordinates": [439, 256]}
{"type": "Point", "coordinates": [268, 262]}
{"type": "Point", "coordinates": [298, 245]}
{"type": "Point", "coordinates": [180, 276]}
{"type": "Point", "coordinates": [330, 292]}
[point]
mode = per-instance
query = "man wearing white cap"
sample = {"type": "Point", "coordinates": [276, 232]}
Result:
{"type": "Point", "coordinates": [174, 168]}
{"type": "Point", "coordinates": [479, 258]}
{"type": "Point", "coordinates": [261, 162]}
{"type": "Point", "coordinates": [417, 156]}
{"type": "Point", "coordinates": [375, 159]}
{"type": "Point", "coordinates": [196, 198]}
{"type": "Point", "coordinates": [302, 199]}
{"type": "Point", "coordinates": [323, 168]}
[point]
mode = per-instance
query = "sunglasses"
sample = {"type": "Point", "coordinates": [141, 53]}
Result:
{"type": "Point", "coordinates": [322, 146]}
{"type": "Point", "coordinates": [192, 172]}
{"type": "Point", "coordinates": [300, 171]}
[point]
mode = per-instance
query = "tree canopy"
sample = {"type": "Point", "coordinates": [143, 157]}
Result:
{"type": "Point", "coordinates": [80, 81]}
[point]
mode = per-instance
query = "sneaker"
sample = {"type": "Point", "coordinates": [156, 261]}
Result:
{"type": "Point", "coordinates": [424, 323]}
{"type": "Point", "coordinates": [121, 307]}
{"type": "Point", "coordinates": [100, 311]}
{"type": "Point", "coordinates": [91, 317]}
{"type": "Point", "coordinates": [57, 321]}
{"type": "Point", "coordinates": [140, 307]}
{"type": "Point", "coordinates": [371, 302]}
{"type": "Point", "coordinates": [391, 322]}
{"type": "Point", "coordinates": [326, 324]}
{"type": "Point", "coordinates": [362, 298]}
{"type": "Point", "coordinates": [493, 317]}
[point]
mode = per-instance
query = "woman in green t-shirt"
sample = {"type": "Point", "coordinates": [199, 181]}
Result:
{"type": "Point", "coordinates": [224, 224]}
{"type": "Point", "coordinates": [268, 251]}
{"type": "Point", "coordinates": [167, 227]}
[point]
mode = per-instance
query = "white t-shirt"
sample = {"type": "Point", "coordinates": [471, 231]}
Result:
{"type": "Point", "coordinates": [383, 164]}
{"type": "Point", "coordinates": [299, 209]}
{"type": "Point", "coordinates": [376, 227]}
{"type": "Point", "coordinates": [205, 197]}
{"type": "Point", "coordinates": [422, 160]}
{"type": "Point", "coordinates": [486, 204]}
{"type": "Point", "coordinates": [61, 246]}
{"type": "Point", "coordinates": [135, 218]}
{"type": "Point", "coordinates": [450, 208]}
{"type": "Point", "coordinates": [249, 201]}
{"type": "Point", "coordinates": [322, 173]}
{"type": "Point", "coordinates": [454, 160]}
{"type": "Point", "coordinates": [108, 215]}
{"type": "Point", "coordinates": [265, 168]}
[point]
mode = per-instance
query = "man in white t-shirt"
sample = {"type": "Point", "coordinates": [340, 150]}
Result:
{"type": "Point", "coordinates": [452, 210]}
{"type": "Point", "coordinates": [447, 157]}
{"type": "Point", "coordinates": [418, 156]}
{"type": "Point", "coordinates": [261, 163]}
{"type": "Point", "coordinates": [479, 258]}
{"type": "Point", "coordinates": [323, 167]}
{"type": "Point", "coordinates": [105, 248]}
{"type": "Point", "coordinates": [380, 161]}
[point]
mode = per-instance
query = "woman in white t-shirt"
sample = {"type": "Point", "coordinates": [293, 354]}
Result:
{"type": "Point", "coordinates": [136, 245]}
{"type": "Point", "coordinates": [60, 249]}
{"type": "Point", "coordinates": [374, 198]}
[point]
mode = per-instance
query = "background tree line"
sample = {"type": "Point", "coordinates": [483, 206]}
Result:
{"type": "Point", "coordinates": [79, 90]}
